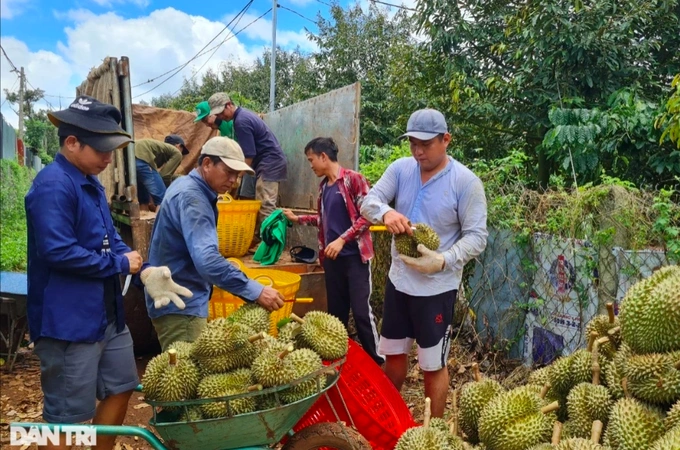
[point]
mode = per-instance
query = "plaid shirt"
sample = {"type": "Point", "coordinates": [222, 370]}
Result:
{"type": "Point", "coordinates": [353, 187]}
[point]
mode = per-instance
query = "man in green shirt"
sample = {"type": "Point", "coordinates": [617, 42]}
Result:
{"type": "Point", "coordinates": [156, 161]}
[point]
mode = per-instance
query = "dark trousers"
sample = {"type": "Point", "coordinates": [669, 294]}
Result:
{"type": "Point", "coordinates": [348, 285]}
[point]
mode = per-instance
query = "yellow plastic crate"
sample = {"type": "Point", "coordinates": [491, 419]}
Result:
{"type": "Point", "coordinates": [236, 224]}
{"type": "Point", "coordinates": [223, 304]}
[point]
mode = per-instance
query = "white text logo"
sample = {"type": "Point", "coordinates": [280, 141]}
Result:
{"type": "Point", "coordinates": [84, 435]}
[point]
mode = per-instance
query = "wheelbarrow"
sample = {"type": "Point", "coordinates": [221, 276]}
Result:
{"type": "Point", "coordinates": [251, 431]}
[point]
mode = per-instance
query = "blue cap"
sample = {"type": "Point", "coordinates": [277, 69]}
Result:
{"type": "Point", "coordinates": [425, 124]}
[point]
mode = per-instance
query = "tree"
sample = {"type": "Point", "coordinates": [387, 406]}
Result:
{"type": "Point", "coordinates": [31, 96]}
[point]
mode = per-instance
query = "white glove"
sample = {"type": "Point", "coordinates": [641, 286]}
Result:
{"type": "Point", "coordinates": [429, 262]}
{"type": "Point", "coordinates": [161, 288]}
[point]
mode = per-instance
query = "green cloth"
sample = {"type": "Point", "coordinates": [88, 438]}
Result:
{"type": "Point", "coordinates": [227, 129]}
{"type": "Point", "coordinates": [158, 154]}
{"type": "Point", "coordinates": [273, 234]}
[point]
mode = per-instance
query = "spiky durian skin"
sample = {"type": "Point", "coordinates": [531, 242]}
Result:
{"type": "Point", "coordinates": [419, 438]}
{"type": "Point", "coordinates": [669, 441]}
{"type": "Point", "coordinates": [540, 376]}
{"type": "Point", "coordinates": [650, 313]}
{"type": "Point", "coordinates": [578, 444]}
{"type": "Point", "coordinates": [600, 324]}
{"type": "Point", "coordinates": [288, 333]}
{"type": "Point", "coordinates": [542, 447]}
{"type": "Point", "coordinates": [304, 362]}
{"type": "Point", "coordinates": [221, 337]}
{"type": "Point", "coordinates": [269, 370]}
{"type": "Point", "coordinates": [633, 425]}
{"type": "Point", "coordinates": [582, 367]}
{"type": "Point", "coordinates": [654, 378]}
{"type": "Point", "coordinates": [455, 443]}
{"type": "Point", "coordinates": [183, 348]}
{"type": "Point", "coordinates": [325, 334]}
{"type": "Point", "coordinates": [673, 416]}
{"type": "Point", "coordinates": [190, 414]}
{"type": "Point", "coordinates": [424, 234]}
{"type": "Point", "coordinates": [586, 403]}
{"type": "Point", "coordinates": [406, 245]}
{"type": "Point", "coordinates": [165, 382]}
{"type": "Point", "coordinates": [615, 371]}
{"type": "Point", "coordinates": [241, 358]}
{"type": "Point", "coordinates": [253, 316]}
{"type": "Point", "coordinates": [474, 397]}
{"type": "Point", "coordinates": [513, 421]}
{"type": "Point", "coordinates": [218, 385]}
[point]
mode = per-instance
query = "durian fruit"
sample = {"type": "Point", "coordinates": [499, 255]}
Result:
{"type": "Point", "coordinates": [540, 376]}
{"type": "Point", "coordinates": [615, 371]}
{"type": "Point", "coordinates": [224, 346]}
{"type": "Point", "coordinates": [557, 432]}
{"type": "Point", "coordinates": [424, 437]}
{"type": "Point", "coordinates": [183, 348]}
{"type": "Point", "coordinates": [568, 371]}
{"type": "Point", "coordinates": [304, 362]}
{"type": "Point", "coordinates": [221, 385]}
{"type": "Point", "coordinates": [673, 416]}
{"type": "Point", "coordinates": [650, 313]}
{"type": "Point", "coordinates": [323, 333]}
{"type": "Point", "coordinates": [455, 443]}
{"type": "Point", "coordinates": [272, 368]}
{"type": "Point", "coordinates": [190, 414]}
{"type": "Point", "coordinates": [289, 332]}
{"type": "Point", "coordinates": [606, 326]}
{"type": "Point", "coordinates": [475, 395]}
{"type": "Point", "coordinates": [168, 378]}
{"type": "Point", "coordinates": [633, 425]}
{"type": "Point", "coordinates": [669, 441]}
{"type": "Point", "coordinates": [582, 443]}
{"type": "Point", "coordinates": [252, 315]}
{"type": "Point", "coordinates": [654, 377]}
{"type": "Point", "coordinates": [517, 420]}
{"type": "Point", "coordinates": [423, 234]}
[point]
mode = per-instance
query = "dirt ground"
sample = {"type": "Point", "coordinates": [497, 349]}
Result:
{"type": "Point", "coordinates": [21, 397]}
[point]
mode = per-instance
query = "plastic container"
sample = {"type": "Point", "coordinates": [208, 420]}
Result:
{"type": "Point", "coordinates": [235, 224]}
{"type": "Point", "coordinates": [371, 402]}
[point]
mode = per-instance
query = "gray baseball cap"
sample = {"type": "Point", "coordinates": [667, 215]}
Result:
{"type": "Point", "coordinates": [425, 124]}
{"type": "Point", "coordinates": [217, 102]}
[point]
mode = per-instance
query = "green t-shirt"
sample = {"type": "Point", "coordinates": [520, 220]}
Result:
{"type": "Point", "coordinates": [227, 129]}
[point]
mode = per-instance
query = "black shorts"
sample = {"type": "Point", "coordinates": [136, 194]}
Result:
{"type": "Point", "coordinates": [425, 320]}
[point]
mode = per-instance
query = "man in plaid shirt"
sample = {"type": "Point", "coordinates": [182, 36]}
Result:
{"type": "Point", "coordinates": [345, 241]}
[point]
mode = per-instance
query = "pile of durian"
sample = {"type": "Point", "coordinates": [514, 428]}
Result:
{"type": "Point", "coordinates": [235, 355]}
{"type": "Point", "coordinates": [626, 383]}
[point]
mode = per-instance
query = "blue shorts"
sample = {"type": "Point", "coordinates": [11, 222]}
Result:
{"type": "Point", "coordinates": [75, 374]}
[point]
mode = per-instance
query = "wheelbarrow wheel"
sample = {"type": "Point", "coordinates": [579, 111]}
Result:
{"type": "Point", "coordinates": [327, 435]}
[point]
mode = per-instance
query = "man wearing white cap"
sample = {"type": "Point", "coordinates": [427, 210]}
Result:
{"type": "Point", "coordinates": [184, 238]}
{"type": "Point", "coordinates": [432, 188]}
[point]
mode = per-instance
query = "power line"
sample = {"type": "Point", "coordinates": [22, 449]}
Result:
{"type": "Point", "coordinates": [179, 68]}
{"type": "Point", "coordinates": [9, 60]}
{"type": "Point", "coordinates": [216, 47]}
{"type": "Point", "coordinates": [297, 13]}
{"type": "Point", "coordinates": [324, 3]}
{"type": "Point", "coordinates": [8, 91]}
{"type": "Point", "coordinates": [393, 5]}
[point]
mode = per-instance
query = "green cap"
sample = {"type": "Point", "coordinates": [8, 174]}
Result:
{"type": "Point", "coordinates": [202, 111]}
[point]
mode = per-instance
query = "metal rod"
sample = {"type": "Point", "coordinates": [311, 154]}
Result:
{"type": "Point", "coordinates": [272, 76]}
{"type": "Point", "coordinates": [126, 107]}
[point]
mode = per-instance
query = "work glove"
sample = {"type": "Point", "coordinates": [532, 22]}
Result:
{"type": "Point", "coordinates": [161, 288]}
{"type": "Point", "coordinates": [429, 262]}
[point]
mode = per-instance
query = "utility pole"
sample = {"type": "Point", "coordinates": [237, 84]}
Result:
{"type": "Point", "coordinates": [22, 82]}
{"type": "Point", "coordinates": [272, 76]}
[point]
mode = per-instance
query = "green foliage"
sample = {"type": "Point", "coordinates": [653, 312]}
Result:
{"type": "Point", "coordinates": [374, 160]}
{"type": "Point", "coordinates": [15, 180]}
{"type": "Point", "coordinates": [667, 222]}
{"type": "Point", "coordinates": [670, 120]}
{"type": "Point", "coordinates": [41, 136]}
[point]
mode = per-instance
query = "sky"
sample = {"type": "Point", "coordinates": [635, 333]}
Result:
{"type": "Point", "coordinates": [57, 43]}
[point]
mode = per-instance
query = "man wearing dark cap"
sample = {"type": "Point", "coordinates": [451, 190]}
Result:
{"type": "Point", "coordinates": [156, 162]}
{"type": "Point", "coordinates": [75, 257]}
{"type": "Point", "coordinates": [184, 238]}
{"type": "Point", "coordinates": [262, 151]}
{"type": "Point", "coordinates": [435, 189]}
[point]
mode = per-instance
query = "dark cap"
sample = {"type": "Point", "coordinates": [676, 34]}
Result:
{"type": "Point", "coordinates": [175, 139]}
{"type": "Point", "coordinates": [94, 123]}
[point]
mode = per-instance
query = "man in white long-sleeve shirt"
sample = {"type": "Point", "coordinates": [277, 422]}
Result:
{"type": "Point", "coordinates": [432, 188]}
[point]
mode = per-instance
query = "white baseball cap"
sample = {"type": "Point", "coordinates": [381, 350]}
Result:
{"type": "Point", "coordinates": [229, 152]}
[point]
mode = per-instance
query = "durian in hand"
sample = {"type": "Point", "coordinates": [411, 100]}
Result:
{"type": "Point", "coordinates": [475, 395]}
{"type": "Point", "coordinates": [423, 437]}
{"type": "Point", "coordinates": [408, 244]}
{"type": "Point", "coordinates": [323, 333]}
{"type": "Point", "coordinates": [252, 315]}
{"type": "Point", "coordinates": [650, 313]}
{"type": "Point", "coordinates": [633, 425]}
{"type": "Point", "coordinates": [168, 378]}
{"type": "Point", "coordinates": [517, 420]}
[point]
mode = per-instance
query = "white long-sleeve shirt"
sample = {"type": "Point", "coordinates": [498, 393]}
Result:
{"type": "Point", "coordinates": [452, 202]}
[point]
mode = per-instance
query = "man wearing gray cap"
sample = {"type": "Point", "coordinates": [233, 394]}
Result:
{"type": "Point", "coordinates": [184, 238]}
{"type": "Point", "coordinates": [261, 149]}
{"type": "Point", "coordinates": [75, 258]}
{"type": "Point", "coordinates": [435, 189]}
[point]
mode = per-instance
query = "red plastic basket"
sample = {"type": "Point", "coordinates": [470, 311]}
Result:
{"type": "Point", "coordinates": [375, 407]}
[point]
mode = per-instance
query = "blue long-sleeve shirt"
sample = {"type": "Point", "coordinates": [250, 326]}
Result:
{"type": "Point", "coordinates": [452, 202]}
{"type": "Point", "coordinates": [74, 251]}
{"type": "Point", "coordinates": [184, 238]}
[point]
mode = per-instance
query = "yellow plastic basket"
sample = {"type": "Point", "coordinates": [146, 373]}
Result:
{"type": "Point", "coordinates": [235, 224]}
{"type": "Point", "coordinates": [223, 304]}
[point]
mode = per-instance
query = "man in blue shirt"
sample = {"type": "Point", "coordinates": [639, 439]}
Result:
{"type": "Point", "coordinates": [431, 188]}
{"type": "Point", "coordinates": [75, 257]}
{"type": "Point", "coordinates": [261, 149]}
{"type": "Point", "coordinates": [184, 238]}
